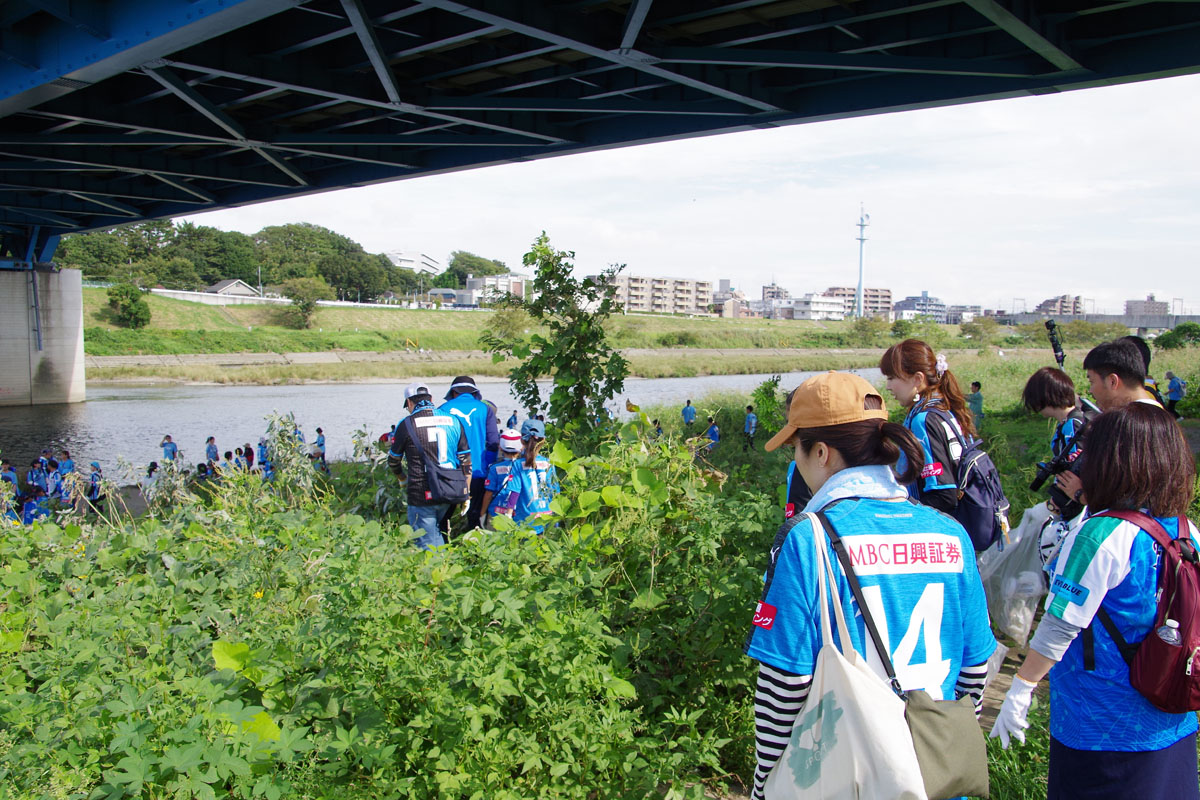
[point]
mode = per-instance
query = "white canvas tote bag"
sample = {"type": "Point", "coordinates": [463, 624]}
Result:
{"type": "Point", "coordinates": [850, 740]}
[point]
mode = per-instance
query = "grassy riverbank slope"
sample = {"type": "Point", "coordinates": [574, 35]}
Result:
{"type": "Point", "coordinates": [178, 326]}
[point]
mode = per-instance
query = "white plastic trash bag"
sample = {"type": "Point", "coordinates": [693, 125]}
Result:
{"type": "Point", "coordinates": [850, 740]}
{"type": "Point", "coordinates": [1013, 579]}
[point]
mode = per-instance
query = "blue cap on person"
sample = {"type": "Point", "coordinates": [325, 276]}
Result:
{"type": "Point", "coordinates": [96, 464]}
{"type": "Point", "coordinates": [415, 390]}
{"type": "Point", "coordinates": [533, 427]}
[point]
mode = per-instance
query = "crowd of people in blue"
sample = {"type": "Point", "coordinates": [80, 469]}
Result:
{"type": "Point", "coordinates": [889, 495]}
{"type": "Point", "coordinates": [51, 482]}
{"type": "Point", "coordinates": [884, 496]}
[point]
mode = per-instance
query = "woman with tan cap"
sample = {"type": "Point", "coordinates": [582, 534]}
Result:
{"type": "Point", "coordinates": [915, 565]}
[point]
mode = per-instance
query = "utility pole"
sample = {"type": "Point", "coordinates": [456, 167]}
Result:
{"type": "Point", "coordinates": [864, 219]}
{"type": "Point", "coordinates": [260, 294]}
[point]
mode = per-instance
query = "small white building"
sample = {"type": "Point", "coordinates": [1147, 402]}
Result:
{"type": "Point", "coordinates": [491, 287]}
{"type": "Point", "coordinates": [415, 260]}
{"type": "Point", "coordinates": [233, 287]}
{"type": "Point", "coordinates": [818, 306]}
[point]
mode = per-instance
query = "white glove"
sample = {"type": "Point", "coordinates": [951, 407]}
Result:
{"type": "Point", "coordinates": [1011, 719]}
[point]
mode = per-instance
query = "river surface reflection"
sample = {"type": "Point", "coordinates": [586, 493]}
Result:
{"type": "Point", "coordinates": [130, 421]}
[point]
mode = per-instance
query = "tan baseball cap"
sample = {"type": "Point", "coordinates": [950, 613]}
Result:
{"type": "Point", "coordinates": [833, 398]}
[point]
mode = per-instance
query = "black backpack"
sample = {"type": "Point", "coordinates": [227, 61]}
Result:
{"type": "Point", "coordinates": [442, 484]}
{"type": "Point", "coordinates": [982, 507]}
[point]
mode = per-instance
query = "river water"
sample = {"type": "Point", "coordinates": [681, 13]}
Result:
{"type": "Point", "coordinates": [130, 421]}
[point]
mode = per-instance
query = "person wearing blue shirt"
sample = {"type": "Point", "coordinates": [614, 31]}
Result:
{"type": "Point", "coordinates": [264, 463]}
{"type": "Point", "coordinates": [937, 416]}
{"type": "Point", "coordinates": [1176, 389]}
{"type": "Point", "coordinates": [498, 473]}
{"type": "Point", "coordinates": [1107, 741]}
{"type": "Point", "coordinates": [53, 480]}
{"type": "Point", "coordinates": [749, 428]}
{"type": "Point", "coordinates": [95, 491]}
{"type": "Point", "coordinates": [35, 507]}
{"type": "Point", "coordinates": [435, 448]}
{"type": "Point", "coordinates": [532, 482]}
{"type": "Point", "coordinates": [211, 454]}
{"type": "Point", "coordinates": [7, 473]}
{"type": "Point", "coordinates": [689, 413]}
{"type": "Point", "coordinates": [916, 566]}
{"type": "Point", "coordinates": [169, 448]}
{"type": "Point", "coordinates": [713, 433]}
{"type": "Point", "coordinates": [1051, 393]}
{"type": "Point", "coordinates": [36, 476]}
{"type": "Point", "coordinates": [512, 421]}
{"type": "Point", "coordinates": [66, 466]}
{"type": "Point", "coordinates": [478, 418]}
{"type": "Point", "coordinates": [44, 459]}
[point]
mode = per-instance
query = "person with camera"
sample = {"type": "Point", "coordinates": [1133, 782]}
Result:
{"type": "Point", "coordinates": [1051, 393]}
{"type": "Point", "coordinates": [1107, 741]}
{"type": "Point", "coordinates": [1116, 373]}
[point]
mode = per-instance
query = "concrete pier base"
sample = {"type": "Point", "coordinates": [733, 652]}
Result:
{"type": "Point", "coordinates": [55, 372]}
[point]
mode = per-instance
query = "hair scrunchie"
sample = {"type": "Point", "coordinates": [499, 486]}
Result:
{"type": "Point", "coordinates": [941, 365]}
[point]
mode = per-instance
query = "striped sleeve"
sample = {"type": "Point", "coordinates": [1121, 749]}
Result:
{"type": "Point", "coordinates": [778, 699]}
{"type": "Point", "coordinates": [971, 682]}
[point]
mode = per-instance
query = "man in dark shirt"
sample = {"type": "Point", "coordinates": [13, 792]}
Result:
{"type": "Point", "coordinates": [430, 441]}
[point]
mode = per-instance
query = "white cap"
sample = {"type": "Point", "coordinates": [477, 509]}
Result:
{"type": "Point", "coordinates": [510, 441]}
{"type": "Point", "coordinates": [414, 390]}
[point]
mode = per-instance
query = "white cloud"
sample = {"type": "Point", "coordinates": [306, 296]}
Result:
{"type": "Point", "coordinates": [1094, 192]}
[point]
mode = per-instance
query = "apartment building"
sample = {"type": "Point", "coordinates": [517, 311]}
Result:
{"type": "Point", "coordinates": [773, 292]}
{"type": "Point", "coordinates": [876, 302]}
{"type": "Point", "coordinates": [1137, 308]}
{"type": "Point", "coordinates": [659, 295]}
{"type": "Point", "coordinates": [489, 287]}
{"type": "Point", "coordinates": [957, 315]}
{"type": "Point", "coordinates": [817, 306]}
{"type": "Point", "coordinates": [922, 305]}
{"type": "Point", "coordinates": [1063, 305]}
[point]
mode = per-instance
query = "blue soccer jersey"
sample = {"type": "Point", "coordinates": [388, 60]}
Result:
{"type": "Point", "coordinates": [534, 487]}
{"type": "Point", "coordinates": [1111, 562]}
{"type": "Point", "coordinates": [941, 440]}
{"type": "Point", "coordinates": [918, 575]}
{"type": "Point", "coordinates": [473, 414]}
{"type": "Point", "coordinates": [496, 481]}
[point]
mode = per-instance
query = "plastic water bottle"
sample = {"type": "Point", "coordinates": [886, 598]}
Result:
{"type": "Point", "coordinates": [1169, 632]}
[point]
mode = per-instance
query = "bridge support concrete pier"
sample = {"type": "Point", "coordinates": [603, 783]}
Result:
{"type": "Point", "coordinates": [41, 337]}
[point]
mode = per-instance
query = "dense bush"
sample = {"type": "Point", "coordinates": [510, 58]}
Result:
{"type": "Point", "coordinates": [266, 646]}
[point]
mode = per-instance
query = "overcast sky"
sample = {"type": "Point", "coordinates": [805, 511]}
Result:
{"type": "Point", "coordinates": [1093, 192]}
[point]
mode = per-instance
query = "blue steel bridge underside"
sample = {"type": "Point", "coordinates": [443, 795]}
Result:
{"type": "Point", "coordinates": [116, 111]}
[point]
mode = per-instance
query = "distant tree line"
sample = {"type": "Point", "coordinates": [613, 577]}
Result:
{"type": "Point", "coordinates": [191, 257]}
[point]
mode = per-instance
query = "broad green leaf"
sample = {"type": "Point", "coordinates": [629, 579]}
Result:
{"type": "Point", "coordinates": [263, 726]}
{"type": "Point", "coordinates": [622, 688]}
{"type": "Point", "coordinates": [651, 598]}
{"type": "Point", "coordinates": [230, 655]}
{"type": "Point", "coordinates": [612, 496]}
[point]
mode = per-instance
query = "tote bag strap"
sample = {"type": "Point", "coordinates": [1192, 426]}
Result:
{"type": "Point", "coordinates": [828, 597]}
{"type": "Point", "coordinates": [839, 547]}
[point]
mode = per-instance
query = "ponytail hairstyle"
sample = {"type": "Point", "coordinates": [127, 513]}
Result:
{"type": "Point", "coordinates": [533, 446]}
{"type": "Point", "coordinates": [913, 356]}
{"type": "Point", "coordinates": [869, 442]}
